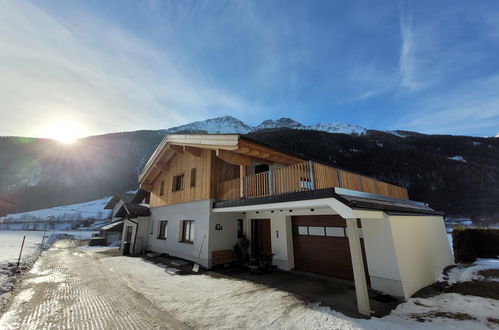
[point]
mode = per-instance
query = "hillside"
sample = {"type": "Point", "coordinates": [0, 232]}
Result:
{"type": "Point", "coordinates": [455, 174]}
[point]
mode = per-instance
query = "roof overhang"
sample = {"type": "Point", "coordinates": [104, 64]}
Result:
{"type": "Point", "coordinates": [346, 203]}
{"type": "Point", "coordinates": [232, 148]}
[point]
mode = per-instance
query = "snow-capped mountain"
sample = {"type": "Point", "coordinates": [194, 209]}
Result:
{"type": "Point", "coordinates": [228, 124]}
{"type": "Point", "coordinates": [225, 124]}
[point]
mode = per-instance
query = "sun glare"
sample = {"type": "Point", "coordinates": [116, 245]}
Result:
{"type": "Point", "coordinates": [64, 131]}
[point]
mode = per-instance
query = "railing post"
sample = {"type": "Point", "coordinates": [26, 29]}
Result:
{"type": "Point", "coordinates": [310, 166]}
{"type": "Point", "coordinates": [271, 182]}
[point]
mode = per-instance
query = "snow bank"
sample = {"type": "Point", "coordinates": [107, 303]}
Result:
{"type": "Point", "coordinates": [469, 273]}
{"type": "Point", "coordinates": [458, 159]}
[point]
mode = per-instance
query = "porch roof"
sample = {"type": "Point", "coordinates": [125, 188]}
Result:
{"type": "Point", "coordinates": [133, 211]}
{"type": "Point", "coordinates": [350, 198]}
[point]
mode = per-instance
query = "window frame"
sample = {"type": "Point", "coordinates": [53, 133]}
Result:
{"type": "Point", "coordinates": [193, 177]}
{"type": "Point", "coordinates": [175, 182]}
{"type": "Point", "coordinates": [162, 232]}
{"type": "Point", "coordinates": [162, 188]}
{"type": "Point", "coordinates": [183, 237]}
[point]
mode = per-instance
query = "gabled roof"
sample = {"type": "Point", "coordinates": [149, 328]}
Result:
{"type": "Point", "coordinates": [232, 148]}
{"type": "Point", "coordinates": [140, 195]}
{"type": "Point", "coordinates": [125, 197]}
{"type": "Point", "coordinates": [132, 211]}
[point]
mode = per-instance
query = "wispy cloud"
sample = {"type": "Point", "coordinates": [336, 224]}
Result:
{"type": "Point", "coordinates": [92, 70]}
{"type": "Point", "coordinates": [407, 51]}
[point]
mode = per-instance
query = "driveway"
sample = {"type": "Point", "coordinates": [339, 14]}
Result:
{"type": "Point", "coordinates": [69, 289]}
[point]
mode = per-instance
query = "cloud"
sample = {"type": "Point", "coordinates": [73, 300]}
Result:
{"type": "Point", "coordinates": [88, 68]}
{"type": "Point", "coordinates": [407, 56]}
{"type": "Point", "coordinates": [471, 108]}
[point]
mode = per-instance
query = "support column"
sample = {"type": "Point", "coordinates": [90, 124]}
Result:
{"type": "Point", "coordinates": [242, 174]}
{"type": "Point", "coordinates": [359, 274]}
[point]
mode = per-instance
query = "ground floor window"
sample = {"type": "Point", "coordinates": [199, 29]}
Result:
{"type": "Point", "coordinates": [162, 229]}
{"type": "Point", "coordinates": [187, 231]}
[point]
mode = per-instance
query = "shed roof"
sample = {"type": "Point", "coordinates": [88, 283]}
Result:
{"type": "Point", "coordinates": [114, 226]}
{"type": "Point", "coordinates": [125, 197]}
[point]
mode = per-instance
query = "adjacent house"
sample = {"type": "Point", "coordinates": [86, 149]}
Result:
{"type": "Point", "coordinates": [116, 202]}
{"type": "Point", "coordinates": [207, 191]}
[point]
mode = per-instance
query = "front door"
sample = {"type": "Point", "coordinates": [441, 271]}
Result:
{"type": "Point", "coordinates": [260, 237]}
{"type": "Point", "coordinates": [128, 236]}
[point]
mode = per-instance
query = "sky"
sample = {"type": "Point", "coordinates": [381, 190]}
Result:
{"type": "Point", "coordinates": [107, 66]}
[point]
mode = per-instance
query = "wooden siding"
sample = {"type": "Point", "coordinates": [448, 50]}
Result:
{"type": "Point", "coordinates": [182, 163]}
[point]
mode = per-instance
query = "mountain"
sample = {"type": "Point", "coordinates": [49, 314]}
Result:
{"type": "Point", "coordinates": [456, 174]}
{"type": "Point", "coordinates": [228, 124]}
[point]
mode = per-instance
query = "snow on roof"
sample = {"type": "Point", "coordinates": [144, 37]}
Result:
{"type": "Point", "coordinates": [112, 225]}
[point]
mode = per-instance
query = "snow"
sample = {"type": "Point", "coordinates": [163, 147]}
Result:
{"type": "Point", "coordinates": [92, 209]}
{"type": "Point", "coordinates": [449, 237]}
{"type": "Point", "coordinates": [458, 159]}
{"type": "Point", "coordinates": [476, 144]}
{"type": "Point", "coordinates": [228, 124]}
{"type": "Point", "coordinates": [10, 245]}
{"type": "Point", "coordinates": [204, 301]}
{"type": "Point", "coordinates": [468, 273]}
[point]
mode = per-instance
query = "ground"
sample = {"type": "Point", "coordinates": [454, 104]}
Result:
{"type": "Point", "coordinates": [94, 288]}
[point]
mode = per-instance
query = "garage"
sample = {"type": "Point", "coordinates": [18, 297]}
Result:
{"type": "Point", "coordinates": [320, 245]}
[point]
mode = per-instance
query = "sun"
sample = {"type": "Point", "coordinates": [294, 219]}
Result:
{"type": "Point", "coordinates": [65, 131]}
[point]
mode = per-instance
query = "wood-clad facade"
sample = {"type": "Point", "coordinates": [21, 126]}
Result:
{"type": "Point", "coordinates": [224, 167]}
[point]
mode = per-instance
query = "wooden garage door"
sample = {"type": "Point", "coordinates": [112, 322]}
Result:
{"type": "Point", "coordinates": [320, 245]}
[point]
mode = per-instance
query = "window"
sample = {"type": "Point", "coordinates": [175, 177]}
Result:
{"type": "Point", "coordinates": [162, 229]}
{"type": "Point", "coordinates": [162, 188]}
{"type": "Point", "coordinates": [193, 177]}
{"type": "Point", "coordinates": [316, 231]}
{"type": "Point", "coordinates": [151, 227]}
{"type": "Point", "coordinates": [240, 232]}
{"type": "Point", "coordinates": [335, 231]}
{"type": "Point", "coordinates": [178, 182]}
{"type": "Point", "coordinates": [187, 231]}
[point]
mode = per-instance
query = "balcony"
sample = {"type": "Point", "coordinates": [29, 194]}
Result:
{"type": "Point", "coordinates": [304, 176]}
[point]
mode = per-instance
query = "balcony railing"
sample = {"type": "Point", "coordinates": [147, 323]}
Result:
{"type": "Point", "coordinates": [304, 177]}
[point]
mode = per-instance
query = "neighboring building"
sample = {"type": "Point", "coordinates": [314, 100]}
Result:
{"type": "Point", "coordinates": [108, 234]}
{"type": "Point", "coordinates": [116, 202]}
{"type": "Point", "coordinates": [209, 190]}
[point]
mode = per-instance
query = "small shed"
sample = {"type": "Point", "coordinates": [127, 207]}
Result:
{"type": "Point", "coordinates": [108, 234]}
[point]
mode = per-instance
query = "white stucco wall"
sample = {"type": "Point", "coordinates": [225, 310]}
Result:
{"type": "Point", "coordinates": [382, 261]}
{"type": "Point", "coordinates": [226, 238]}
{"type": "Point", "coordinates": [199, 211]}
{"type": "Point", "coordinates": [422, 249]}
{"type": "Point", "coordinates": [138, 244]}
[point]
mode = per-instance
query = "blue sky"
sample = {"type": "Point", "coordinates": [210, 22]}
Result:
{"type": "Point", "coordinates": [427, 66]}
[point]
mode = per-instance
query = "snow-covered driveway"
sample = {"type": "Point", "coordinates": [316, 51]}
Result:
{"type": "Point", "coordinates": [69, 289]}
{"type": "Point", "coordinates": [82, 288]}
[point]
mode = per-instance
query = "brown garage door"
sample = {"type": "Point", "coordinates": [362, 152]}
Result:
{"type": "Point", "coordinates": [320, 245]}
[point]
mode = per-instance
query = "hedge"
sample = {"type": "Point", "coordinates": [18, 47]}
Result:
{"type": "Point", "coordinates": [472, 243]}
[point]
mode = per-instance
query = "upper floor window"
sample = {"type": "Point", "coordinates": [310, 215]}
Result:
{"type": "Point", "coordinates": [193, 177]}
{"type": "Point", "coordinates": [178, 182]}
{"type": "Point", "coordinates": [188, 231]}
{"type": "Point", "coordinates": [162, 229]}
{"type": "Point", "coordinates": [162, 188]}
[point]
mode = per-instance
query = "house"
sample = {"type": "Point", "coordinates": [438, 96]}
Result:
{"type": "Point", "coordinates": [116, 202]}
{"type": "Point", "coordinates": [209, 190]}
{"type": "Point", "coordinates": [108, 234]}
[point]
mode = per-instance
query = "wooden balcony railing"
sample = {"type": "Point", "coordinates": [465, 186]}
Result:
{"type": "Point", "coordinates": [304, 177]}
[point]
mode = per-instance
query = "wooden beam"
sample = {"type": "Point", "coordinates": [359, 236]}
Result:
{"type": "Point", "coordinates": [146, 186]}
{"type": "Point", "coordinates": [233, 158]}
{"type": "Point", "coordinates": [359, 275]}
{"type": "Point", "coordinates": [193, 151]}
{"type": "Point", "coordinates": [242, 174]}
{"type": "Point", "coordinates": [176, 148]}
{"type": "Point", "coordinates": [162, 166]}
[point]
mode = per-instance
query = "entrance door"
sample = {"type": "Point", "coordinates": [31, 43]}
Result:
{"type": "Point", "coordinates": [260, 237]}
{"type": "Point", "coordinates": [128, 236]}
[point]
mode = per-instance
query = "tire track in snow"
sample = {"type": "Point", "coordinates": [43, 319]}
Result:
{"type": "Point", "coordinates": [75, 291]}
